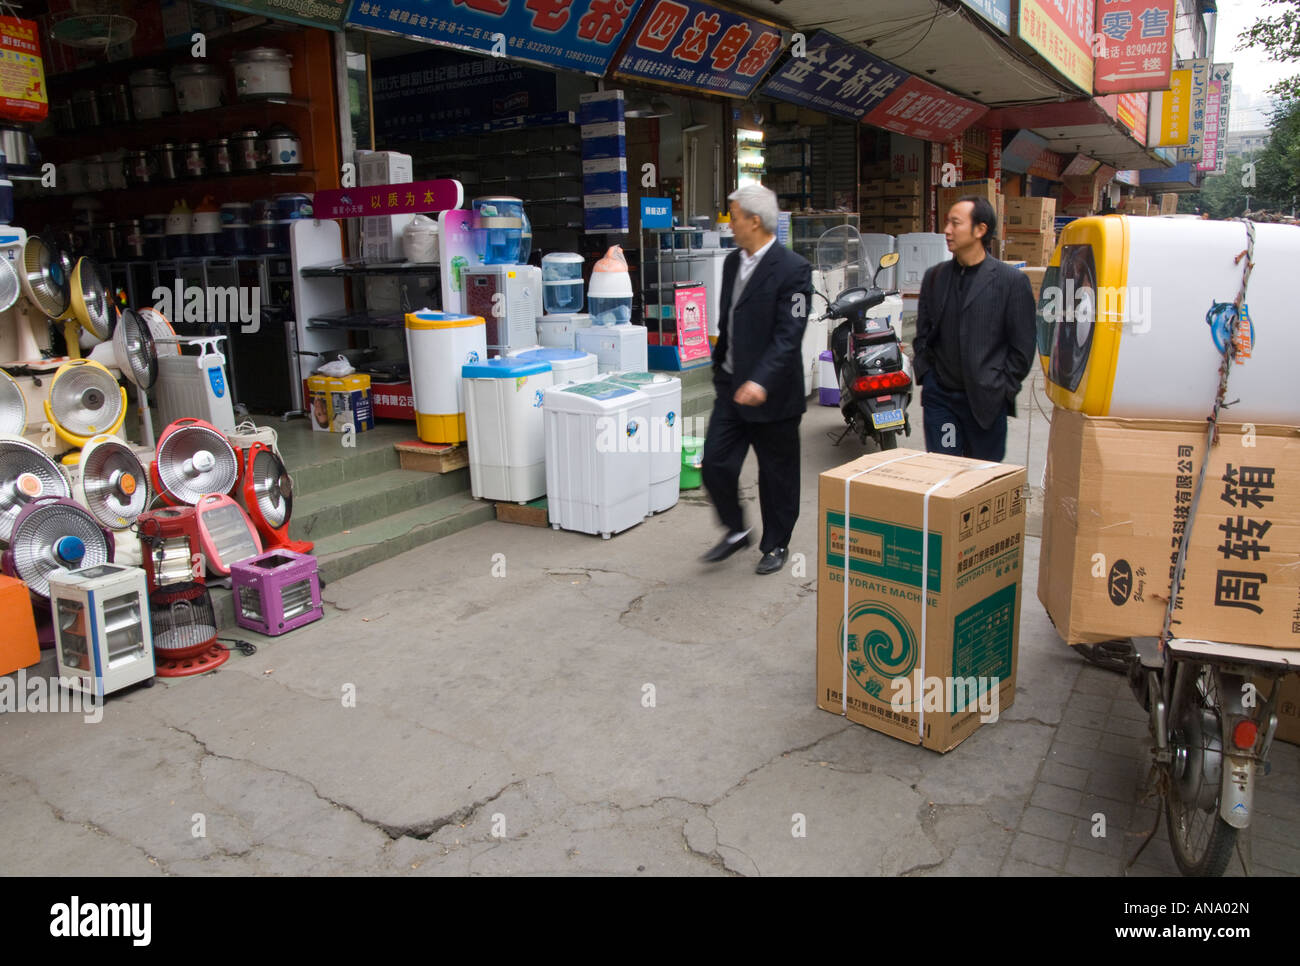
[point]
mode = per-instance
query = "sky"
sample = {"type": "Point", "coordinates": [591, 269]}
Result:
{"type": "Point", "coordinates": [1252, 74]}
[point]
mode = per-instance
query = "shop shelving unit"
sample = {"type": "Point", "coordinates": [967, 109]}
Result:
{"type": "Point", "coordinates": [663, 271]}
{"type": "Point", "coordinates": [789, 169]}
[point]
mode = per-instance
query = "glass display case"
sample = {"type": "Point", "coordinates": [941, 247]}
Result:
{"type": "Point", "coordinates": [806, 228]}
{"type": "Point", "coordinates": [750, 151]}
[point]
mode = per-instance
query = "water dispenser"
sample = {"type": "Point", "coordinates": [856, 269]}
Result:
{"type": "Point", "coordinates": [562, 283]}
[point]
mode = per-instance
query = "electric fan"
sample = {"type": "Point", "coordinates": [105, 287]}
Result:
{"type": "Point", "coordinates": [226, 535]}
{"type": "Point", "coordinates": [88, 307]}
{"type": "Point", "coordinates": [85, 400]}
{"type": "Point", "coordinates": [13, 405]}
{"type": "Point", "coordinates": [26, 474]}
{"type": "Point", "coordinates": [10, 287]}
{"type": "Point", "coordinates": [185, 631]}
{"type": "Point", "coordinates": [193, 458]}
{"type": "Point", "coordinates": [266, 491]}
{"type": "Point", "coordinates": [169, 546]}
{"type": "Point", "coordinates": [103, 639]}
{"type": "Point", "coordinates": [49, 534]}
{"type": "Point", "coordinates": [112, 483]}
{"type": "Point", "coordinates": [163, 334]}
{"type": "Point", "coordinates": [93, 26]}
{"type": "Point", "coordinates": [44, 281]}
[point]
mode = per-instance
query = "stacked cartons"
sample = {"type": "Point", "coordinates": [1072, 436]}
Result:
{"type": "Point", "coordinates": [1030, 230]}
{"type": "Point", "coordinates": [892, 206]}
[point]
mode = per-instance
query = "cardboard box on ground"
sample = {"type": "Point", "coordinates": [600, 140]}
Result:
{"type": "Point", "coordinates": [930, 681]}
{"type": "Point", "coordinates": [1117, 500]}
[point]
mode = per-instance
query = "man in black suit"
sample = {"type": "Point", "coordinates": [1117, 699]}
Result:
{"type": "Point", "coordinates": [974, 338]}
{"type": "Point", "coordinates": [759, 381]}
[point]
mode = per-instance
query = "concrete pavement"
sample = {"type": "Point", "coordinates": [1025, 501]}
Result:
{"type": "Point", "coordinates": [515, 700]}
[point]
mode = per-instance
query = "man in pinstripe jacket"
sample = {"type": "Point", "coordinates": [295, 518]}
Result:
{"type": "Point", "coordinates": [974, 338]}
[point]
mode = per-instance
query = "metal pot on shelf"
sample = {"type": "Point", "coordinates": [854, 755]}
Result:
{"type": "Point", "coordinates": [167, 161]}
{"type": "Point", "coordinates": [245, 151]}
{"type": "Point", "coordinates": [152, 95]}
{"type": "Point", "coordinates": [217, 152]}
{"type": "Point", "coordinates": [115, 104]}
{"type": "Point", "coordinates": [262, 72]}
{"type": "Point", "coordinates": [20, 151]}
{"type": "Point", "coordinates": [281, 149]}
{"type": "Point", "coordinates": [140, 168]}
{"type": "Point", "coordinates": [85, 108]}
{"type": "Point", "coordinates": [194, 163]}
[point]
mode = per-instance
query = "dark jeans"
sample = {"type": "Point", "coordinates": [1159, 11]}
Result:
{"type": "Point", "coordinates": [950, 426]}
{"type": "Point", "coordinates": [777, 446]}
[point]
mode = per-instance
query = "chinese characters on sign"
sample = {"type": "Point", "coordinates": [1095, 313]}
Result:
{"type": "Point", "coordinates": [996, 12]}
{"type": "Point", "coordinates": [1211, 156]}
{"type": "Point", "coordinates": [1137, 45]}
{"type": "Point", "coordinates": [835, 77]}
{"type": "Point", "coordinates": [1170, 112]}
{"type": "Point", "coordinates": [1061, 30]}
{"type": "Point", "coordinates": [394, 199]}
{"type": "Point", "coordinates": [1243, 534]}
{"type": "Point", "coordinates": [1195, 146]}
{"type": "Point", "coordinates": [579, 35]}
{"type": "Point", "coordinates": [693, 45]}
{"type": "Point", "coordinates": [1222, 73]}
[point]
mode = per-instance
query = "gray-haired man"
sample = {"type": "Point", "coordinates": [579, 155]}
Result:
{"type": "Point", "coordinates": [758, 377]}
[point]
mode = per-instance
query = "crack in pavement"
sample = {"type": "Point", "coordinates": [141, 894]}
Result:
{"type": "Point", "coordinates": [419, 831]}
{"type": "Point", "coordinates": [86, 823]}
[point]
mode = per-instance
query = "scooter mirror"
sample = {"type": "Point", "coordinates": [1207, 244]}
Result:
{"type": "Point", "coordinates": [887, 261]}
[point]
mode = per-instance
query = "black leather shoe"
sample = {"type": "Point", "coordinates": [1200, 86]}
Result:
{"type": "Point", "coordinates": [773, 561]}
{"type": "Point", "coordinates": [726, 548]}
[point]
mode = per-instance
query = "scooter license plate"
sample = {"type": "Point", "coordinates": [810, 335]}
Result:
{"type": "Point", "coordinates": [887, 419]}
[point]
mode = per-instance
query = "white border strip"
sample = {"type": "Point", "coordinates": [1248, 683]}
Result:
{"type": "Point", "coordinates": [844, 643]}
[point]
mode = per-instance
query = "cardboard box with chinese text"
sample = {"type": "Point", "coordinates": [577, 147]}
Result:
{"type": "Point", "coordinates": [1117, 503]}
{"type": "Point", "coordinates": [933, 688]}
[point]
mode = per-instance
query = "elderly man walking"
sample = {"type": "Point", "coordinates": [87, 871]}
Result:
{"type": "Point", "coordinates": [758, 377]}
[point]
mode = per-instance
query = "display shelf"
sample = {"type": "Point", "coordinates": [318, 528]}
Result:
{"type": "Point", "coordinates": [358, 320]}
{"type": "Point", "coordinates": [359, 268]}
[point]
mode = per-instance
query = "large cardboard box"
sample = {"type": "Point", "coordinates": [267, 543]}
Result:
{"type": "Point", "coordinates": [1035, 278]}
{"type": "Point", "coordinates": [872, 189]}
{"type": "Point", "coordinates": [872, 207]}
{"type": "Point", "coordinates": [1169, 203]}
{"type": "Point", "coordinates": [1030, 214]}
{"type": "Point", "coordinates": [1032, 248]}
{"type": "Point", "coordinates": [902, 188]}
{"type": "Point", "coordinates": [931, 680]}
{"type": "Point", "coordinates": [901, 226]}
{"type": "Point", "coordinates": [1117, 502]}
{"type": "Point", "coordinates": [902, 207]}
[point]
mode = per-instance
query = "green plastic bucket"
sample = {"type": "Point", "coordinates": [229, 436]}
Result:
{"type": "Point", "coordinates": [692, 457]}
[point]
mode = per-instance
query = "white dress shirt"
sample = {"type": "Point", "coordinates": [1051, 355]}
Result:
{"type": "Point", "coordinates": [750, 262]}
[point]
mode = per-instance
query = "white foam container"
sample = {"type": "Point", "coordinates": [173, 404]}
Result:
{"type": "Point", "coordinates": [503, 417]}
{"type": "Point", "coordinates": [560, 331]}
{"type": "Point", "coordinates": [597, 457]}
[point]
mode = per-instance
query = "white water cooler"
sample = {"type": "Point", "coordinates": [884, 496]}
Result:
{"type": "Point", "coordinates": [560, 331]}
{"type": "Point", "coordinates": [617, 348]}
{"type": "Point", "coordinates": [503, 416]}
{"type": "Point", "coordinates": [597, 457]}
{"type": "Point", "coordinates": [438, 345]}
{"type": "Point", "coordinates": [665, 394]}
{"type": "Point", "coordinates": [567, 365]}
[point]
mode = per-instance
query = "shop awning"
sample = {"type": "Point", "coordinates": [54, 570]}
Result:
{"type": "Point", "coordinates": [951, 46]}
{"type": "Point", "coordinates": [1083, 126]}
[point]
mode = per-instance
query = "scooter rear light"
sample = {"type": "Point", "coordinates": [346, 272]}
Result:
{"type": "Point", "coordinates": [1244, 735]}
{"type": "Point", "coordinates": [883, 384]}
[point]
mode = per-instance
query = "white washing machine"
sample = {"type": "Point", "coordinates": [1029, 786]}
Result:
{"type": "Point", "coordinates": [567, 365]}
{"type": "Point", "coordinates": [597, 457]}
{"type": "Point", "coordinates": [503, 417]}
{"type": "Point", "coordinates": [617, 348]}
{"type": "Point", "coordinates": [665, 394]}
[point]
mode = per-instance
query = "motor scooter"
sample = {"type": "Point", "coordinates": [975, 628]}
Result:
{"type": "Point", "coordinates": [874, 376]}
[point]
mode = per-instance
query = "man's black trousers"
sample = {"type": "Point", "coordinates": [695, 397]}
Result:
{"type": "Point", "coordinates": [776, 445]}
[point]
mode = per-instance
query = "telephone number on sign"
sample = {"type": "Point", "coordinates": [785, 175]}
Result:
{"type": "Point", "coordinates": [1142, 50]}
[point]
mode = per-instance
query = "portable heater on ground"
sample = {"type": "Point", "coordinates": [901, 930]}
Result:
{"type": "Point", "coordinates": [50, 534]}
{"type": "Point", "coordinates": [184, 631]}
{"type": "Point", "coordinates": [112, 483]}
{"type": "Point", "coordinates": [195, 385]}
{"type": "Point", "coordinates": [266, 492]}
{"type": "Point", "coordinates": [18, 645]}
{"type": "Point", "coordinates": [276, 592]}
{"type": "Point", "coordinates": [26, 474]}
{"type": "Point", "coordinates": [13, 406]}
{"type": "Point", "coordinates": [170, 547]}
{"type": "Point", "coordinates": [103, 638]}
{"type": "Point", "coordinates": [193, 458]}
{"type": "Point", "coordinates": [226, 535]}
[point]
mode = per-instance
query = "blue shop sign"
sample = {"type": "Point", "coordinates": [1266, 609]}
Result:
{"type": "Point", "coordinates": [691, 44]}
{"type": "Point", "coordinates": [656, 213]}
{"type": "Point", "coordinates": [996, 12]}
{"type": "Point", "coordinates": [835, 77]}
{"type": "Point", "coordinates": [580, 35]}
